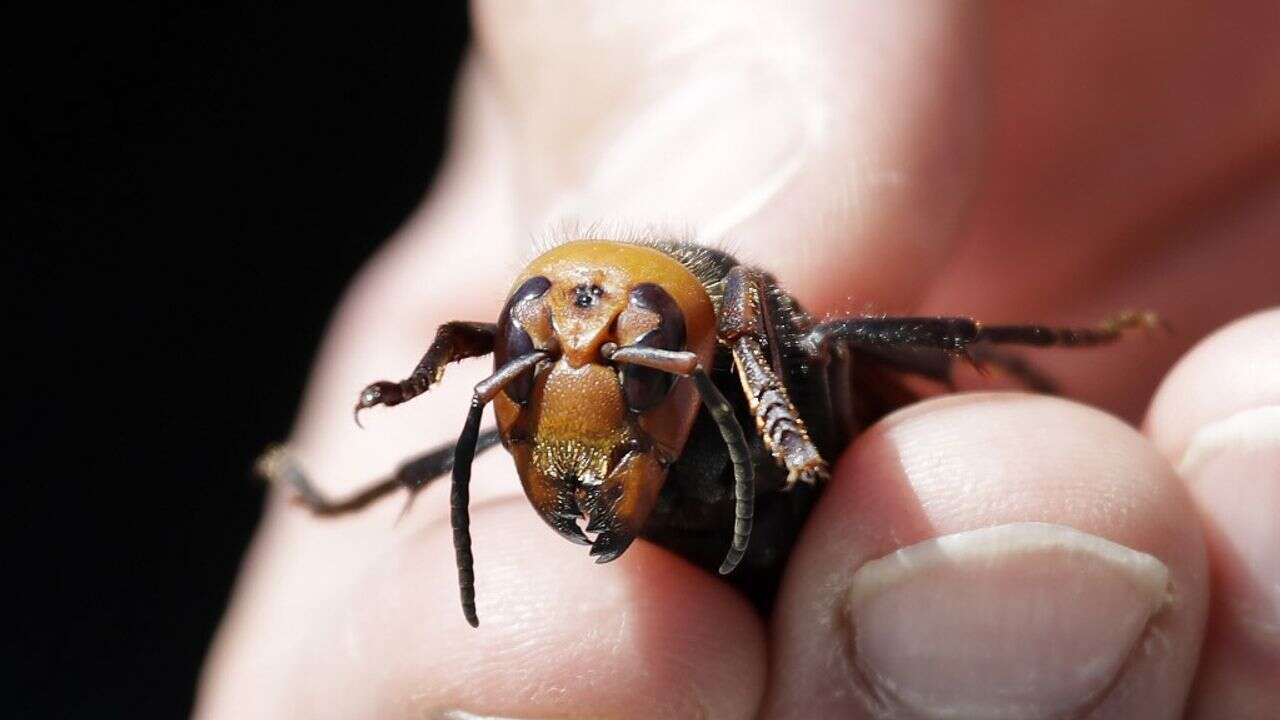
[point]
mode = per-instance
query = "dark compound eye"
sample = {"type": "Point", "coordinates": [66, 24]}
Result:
{"type": "Point", "coordinates": [645, 387]}
{"type": "Point", "coordinates": [513, 341]}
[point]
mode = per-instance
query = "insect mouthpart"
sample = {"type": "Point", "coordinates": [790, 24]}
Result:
{"type": "Point", "coordinates": [593, 516]}
{"type": "Point", "coordinates": [588, 514]}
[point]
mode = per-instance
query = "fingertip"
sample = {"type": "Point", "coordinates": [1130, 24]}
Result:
{"type": "Point", "coordinates": [1217, 417]}
{"type": "Point", "coordinates": [1005, 555]}
{"type": "Point", "coordinates": [1235, 368]}
{"type": "Point", "coordinates": [646, 636]}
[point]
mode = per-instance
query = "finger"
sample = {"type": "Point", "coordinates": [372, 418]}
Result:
{"type": "Point", "coordinates": [832, 143]}
{"type": "Point", "coordinates": [1197, 270]}
{"type": "Point", "coordinates": [1217, 417]}
{"type": "Point", "coordinates": [648, 636]}
{"type": "Point", "coordinates": [993, 556]}
{"type": "Point", "coordinates": [452, 261]}
{"type": "Point", "coordinates": [1128, 166]}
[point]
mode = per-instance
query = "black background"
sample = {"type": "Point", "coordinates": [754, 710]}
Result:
{"type": "Point", "coordinates": [197, 187]}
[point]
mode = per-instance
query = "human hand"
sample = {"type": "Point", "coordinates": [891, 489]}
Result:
{"type": "Point", "coordinates": [1049, 164]}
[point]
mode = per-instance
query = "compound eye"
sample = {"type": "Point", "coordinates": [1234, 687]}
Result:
{"type": "Point", "coordinates": [512, 340]}
{"type": "Point", "coordinates": [651, 305]}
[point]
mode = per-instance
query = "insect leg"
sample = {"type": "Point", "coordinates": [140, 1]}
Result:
{"type": "Point", "coordinates": [957, 336]}
{"type": "Point", "coordinates": [839, 391]}
{"type": "Point", "coordinates": [278, 466]}
{"type": "Point", "coordinates": [745, 325]}
{"type": "Point", "coordinates": [1015, 366]}
{"type": "Point", "coordinates": [454, 341]}
{"type": "Point", "coordinates": [938, 364]}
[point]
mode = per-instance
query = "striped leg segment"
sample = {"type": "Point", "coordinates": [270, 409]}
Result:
{"type": "Point", "coordinates": [746, 326]}
{"type": "Point", "coordinates": [777, 420]}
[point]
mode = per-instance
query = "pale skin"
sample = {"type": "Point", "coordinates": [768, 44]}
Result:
{"type": "Point", "coordinates": [1047, 163]}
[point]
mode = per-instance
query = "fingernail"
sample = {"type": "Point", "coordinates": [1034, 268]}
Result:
{"type": "Point", "coordinates": [1232, 467]}
{"type": "Point", "coordinates": [1026, 620]}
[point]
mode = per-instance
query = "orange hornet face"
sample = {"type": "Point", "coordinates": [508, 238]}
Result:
{"type": "Point", "coordinates": [592, 441]}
